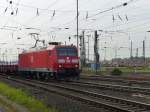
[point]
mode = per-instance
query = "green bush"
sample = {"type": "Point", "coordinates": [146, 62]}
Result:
{"type": "Point", "coordinates": [116, 71]}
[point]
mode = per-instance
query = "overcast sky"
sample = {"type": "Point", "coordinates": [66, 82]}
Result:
{"type": "Point", "coordinates": [55, 20]}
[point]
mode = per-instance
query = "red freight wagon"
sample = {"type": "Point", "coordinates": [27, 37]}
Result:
{"type": "Point", "coordinates": [57, 61]}
{"type": "Point", "coordinates": [8, 68]}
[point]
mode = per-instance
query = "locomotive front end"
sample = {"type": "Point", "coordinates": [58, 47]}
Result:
{"type": "Point", "coordinates": [67, 62]}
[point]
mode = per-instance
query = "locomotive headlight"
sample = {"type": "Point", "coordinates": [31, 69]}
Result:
{"type": "Point", "coordinates": [76, 65]}
{"type": "Point", "coordinates": [60, 66]}
{"type": "Point", "coordinates": [75, 60]}
{"type": "Point", "coordinates": [61, 61]}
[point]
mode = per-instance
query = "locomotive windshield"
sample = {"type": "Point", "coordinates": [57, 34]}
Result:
{"type": "Point", "coordinates": [66, 51]}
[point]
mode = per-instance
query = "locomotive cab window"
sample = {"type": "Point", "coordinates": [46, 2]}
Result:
{"type": "Point", "coordinates": [67, 51]}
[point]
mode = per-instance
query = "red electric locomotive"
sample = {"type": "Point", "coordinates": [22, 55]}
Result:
{"type": "Point", "coordinates": [57, 61]}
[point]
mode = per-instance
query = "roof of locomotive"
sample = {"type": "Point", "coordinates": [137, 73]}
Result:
{"type": "Point", "coordinates": [50, 47]}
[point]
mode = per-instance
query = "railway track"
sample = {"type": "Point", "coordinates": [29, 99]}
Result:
{"type": "Point", "coordinates": [92, 98]}
{"type": "Point", "coordinates": [120, 88]}
{"type": "Point", "coordinates": [129, 82]}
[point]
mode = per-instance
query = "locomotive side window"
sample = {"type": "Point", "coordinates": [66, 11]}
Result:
{"type": "Point", "coordinates": [67, 51]}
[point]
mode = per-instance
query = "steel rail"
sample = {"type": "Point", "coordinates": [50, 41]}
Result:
{"type": "Point", "coordinates": [128, 81]}
{"type": "Point", "coordinates": [113, 87]}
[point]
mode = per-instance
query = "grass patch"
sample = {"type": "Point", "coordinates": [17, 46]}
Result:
{"type": "Point", "coordinates": [135, 69]}
{"type": "Point", "coordinates": [20, 97]}
{"type": "Point", "coordinates": [107, 70]}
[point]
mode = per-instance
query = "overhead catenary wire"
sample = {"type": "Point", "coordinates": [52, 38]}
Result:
{"type": "Point", "coordinates": [49, 10]}
{"type": "Point", "coordinates": [129, 27]}
{"type": "Point", "coordinates": [112, 15]}
{"type": "Point", "coordinates": [107, 10]}
{"type": "Point", "coordinates": [115, 7]}
{"type": "Point", "coordinates": [131, 0]}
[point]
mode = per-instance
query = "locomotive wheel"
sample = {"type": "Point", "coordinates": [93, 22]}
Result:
{"type": "Point", "coordinates": [34, 76]}
{"type": "Point", "coordinates": [57, 77]}
{"type": "Point", "coordinates": [77, 77]}
{"type": "Point", "coordinates": [37, 75]}
{"type": "Point", "coordinates": [43, 77]}
{"type": "Point", "coordinates": [47, 77]}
